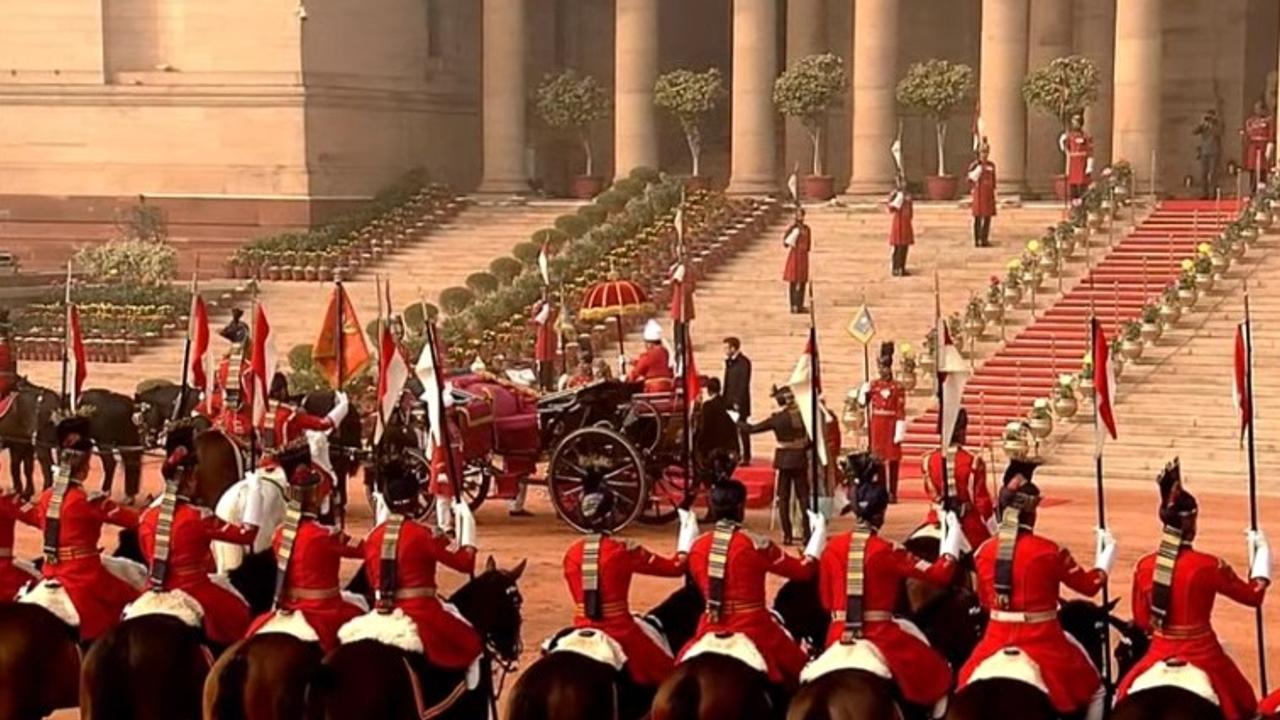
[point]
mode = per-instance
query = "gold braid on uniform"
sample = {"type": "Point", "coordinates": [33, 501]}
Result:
{"type": "Point", "coordinates": [1006, 540]}
{"type": "Point", "coordinates": [591, 577]}
{"type": "Point", "coordinates": [854, 578]}
{"type": "Point", "coordinates": [716, 561]}
{"type": "Point", "coordinates": [53, 515]}
{"type": "Point", "coordinates": [388, 579]}
{"type": "Point", "coordinates": [164, 535]}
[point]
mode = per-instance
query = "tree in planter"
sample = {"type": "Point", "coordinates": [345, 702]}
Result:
{"type": "Point", "coordinates": [807, 91]}
{"type": "Point", "coordinates": [935, 88]}
{"type": "Point", "coordinates": [690, 97]}
{"type": "Point", "coordinates": [1063, 88]}
{"type": "Point", "coordinates": [573, 102]}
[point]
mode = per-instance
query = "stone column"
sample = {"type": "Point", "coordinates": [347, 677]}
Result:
{"type": "Point", "coordinates": [1136, 133]}
{"type": "Point", "coordinates": [505, 96]}
{"type": "Point", "coordinates": [875, 109]}
{"type": "Point", "coordinates": [1096, 40]}
{"type": "Point", "coordinates": [753, 158]}
{"type": "Point", "coordinates": [635, 123]}
{"type": "Point", "coordinates": [1004, 65]}
{"type": "Point", "coordinates": [1049, 39]}
{"type": "Point", "coordinates": [806, 35]}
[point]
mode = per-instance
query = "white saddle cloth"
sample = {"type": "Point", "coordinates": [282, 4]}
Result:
{"type": "Point", "coordinates": [50, 595]}
{"type": "Point", "coordinates": [394, 628]}
{"type": "Point", "coordinates": [293, 624]}
{"type": "Point", "coordinates": [1010, 664]}
{"type": "Point", "coordinates": [590, 643]}
{"type": "Point", "coordinates": [733, 645]}
{"type": "Point", "coordinates": [861, 655]}
{"type": "Point", "coordinates": [133, 573]}
{"type": "Point", "coordinates": [170, 603]}
{"type": "Point", "coordinates": [1180, 675]}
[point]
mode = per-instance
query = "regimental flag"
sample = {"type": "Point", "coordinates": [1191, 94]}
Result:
{"type": "Point", "coordinates": [393, 373]}
{"type": "Point", "coordinates": [1240, 390]}
{"type": "Point", "coordinates": [953, 374]}
{"type": "Point", "coordinates": [348, 351]}
{"type": "Point", "coordinates": [1104, 388]}
{"type": "Point", "coordinates": [793, 186]}
{"type": "Point", "coordinates": [430, 373]}
{"type": "Point", "coordinates": [544, 265]}
{"type": "Point", "coordinates": [78, 361]}
{"type": "Point", "coordinates": [862, 328]}
{"type": "Point", "coordinates": [895, 151]}
{"type": "Point", "coordinates": [262, 361]}
{"type": "Point", "coordinates": [979, 130]}
{"type": "Point", "coordinates": [679, 223]}
{"type": "Point", "coordinates": [806, 384]}
{"type": "Point", "coordinates": [199, 369]}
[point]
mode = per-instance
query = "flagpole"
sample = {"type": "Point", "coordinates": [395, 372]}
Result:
{"type": "Point", "coordinates": [1102, 510]}
{"type": "Point", "coordinates": [938, 345]}
{"type": "Point", "coordinates": [186, 346]}
{"type": "Point", "coordinates": [261, 384]}
{"type": "Point", "coordinates": [819, 422]}
{"type": "Point", "coordinates": [66, 339]}
{"type": "Point", "coordinates": [341, 357]}
{"type": "Point", "coordinates": [1260, 630]}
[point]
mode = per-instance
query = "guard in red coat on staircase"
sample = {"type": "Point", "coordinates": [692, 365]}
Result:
{"type": "Point", "coordinates": [598, 570]}
{"type": "Point", "coordinates": [862, 597]}
{"type": "Point", "coordinates": [966, 493]}
{"type": "Point", "coordinates": [14, 573]}
{"type": "Point", "coordinates": [653, 367]}
{"type": "Point", "coordinates": [734, 584]}
{"type": "Point", "coordinates": [1174, 590]}
{"type": "Point", "coordinates": [1020, 578]}
{"type": "Point", "coordinates": [290, 421]}
{"type": "Point", "coordinates": [229, 404]}
{"type": "Point", "coordinates": [72, 519]}
{"type": "Point", "coordinates": [888, 402]}
{"type": "Point", "coordinates": [1259, 136]}
{"type": "Point", "coordinates": [546, 341]}
{"type": "Point", "coordinates": [175, 536]}
{"type": "Point", "coordinates": [902, 234]}
{"type": "Point", "coordinates": [982, 181]}
{"type": "Point", "coordinates": [1077, 145]}
{"type": "Point", "coordinates": [799, 242]}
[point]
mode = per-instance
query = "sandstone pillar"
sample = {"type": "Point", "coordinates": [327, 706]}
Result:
{"type": "Point", "coordinates": [1096, 40]}
{"type": "Point", "coordinates": [505, 96]}
{"type": "Point", "coordinates": [1004, 65]}
{"type": "Point", "coordinates": [1136, 133]}
{"type": "Point", "coordinates": [875, 109]}
{"type": "Point", "coordinates": [753, 157]}
{"type": "Point", "coordinates": [806, 35]}
{"type": "Point", "coordinates": [635, 123]}
{"type": "Point", "coordinates": [1049, 39]}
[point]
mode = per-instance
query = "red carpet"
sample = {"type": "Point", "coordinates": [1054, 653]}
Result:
{"type": "Point", "coordinates": [1135, 270]}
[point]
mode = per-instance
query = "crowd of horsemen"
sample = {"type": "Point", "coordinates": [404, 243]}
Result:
{"type": "Point", "coordinates": [987, 539]}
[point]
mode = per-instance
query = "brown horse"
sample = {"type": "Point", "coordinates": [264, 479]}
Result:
{"type": "Point", "coordinates": [39, 661]}
{"type": "Point", "coordinates": [264, 677]}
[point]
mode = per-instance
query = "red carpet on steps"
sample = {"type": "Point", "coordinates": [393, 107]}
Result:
{"type": "Point", "coordinates": [1136, 269]}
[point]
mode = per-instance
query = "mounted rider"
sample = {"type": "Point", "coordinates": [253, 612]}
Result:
{"type": "Point", "coordinates": [1173, 594]}
{"type": "Point", "coordinates": [1020, 575]}
{"type": "Point", "coordinates": [598, 570]}
{"type": "Point", "coordinates": [14, 573]}
{"type": "Point", "coordinates": [730, 566]}
{"type": "Point", "coordinates": [653, 367]}
{"type": "Point", "coordinates": [861, 580]}
{"type": "Point", "coordinates": [176, 534]}
{"type": "Point", "coordinates": [400, 558]}
{"type": "Point", "coordinates": [309, 552]}
{"type": "Point", "coordinates": [290, 421]}
{"type": "Point", "coordinates": [229, 404]}
{"type": "Point", "coordinates": [966, 492]}
{"type": "Point", "coordinates": [72, 521]}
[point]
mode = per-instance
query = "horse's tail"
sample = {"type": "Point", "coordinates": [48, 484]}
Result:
{"type": "Point", "coordinates": [228, 691]}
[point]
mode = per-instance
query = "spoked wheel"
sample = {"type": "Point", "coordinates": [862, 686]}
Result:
{"type": "Point", "coordinates": [597, 458]}
{"type": "Point", "coordinates": [668, 492]}
{"type": "Point", "coordinates": [477, 479]}
{"type": "Point", "coordinates": [643, 425]}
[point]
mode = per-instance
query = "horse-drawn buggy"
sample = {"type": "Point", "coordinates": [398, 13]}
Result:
{"type": "Point", "coordinates": [610, 434]}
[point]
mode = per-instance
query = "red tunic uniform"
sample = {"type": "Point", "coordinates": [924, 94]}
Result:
{"type": "Point", "coordinates": [901, 228]}
{"type": "Point", "coordinates": [98, 595]}
{"type": "Point", "coordinates": [545, 337]}
{"type": "Point", "coordinates": [1198, 579]}
{"type": "Point", "coordinates": [922, 674]}
{"type": "Point", "coordinates": [969, 484]}
{"type": "Point", "coordinates": [449, 641]}
{"type": "Point", "coordinates": [984, 188]}
{"type": "Point", "coordinates": [796, 269]}
{"type": "Point", "coordinates": [226, 615]}
{"type": "Point", "coordinates": [750, 560]}
{"type": "Point", "coordinates": [8, 367]}
{"type": "Point", "coordinates": [1259, 132]}
{"type": "Point", "coordinates": [1270, 705]}
{"type": "Point", "coordinates": [1079, 150]}
{"type": "Point", "coordinates": [619, 560]}
{"type": "Point", "coordinates": [654, 368]}
{"type": "Point", "coordinates": [291, 423]}
{"type": "Point", "coordinates": [1040, 568]}
{"type": "Point", "coordinates": [311, 582]}
{"type": "Point", "coordinates": [236, 421]}
{"type": "Point", "coordinates": [888, 407]}
{"type": "Point", "coordinates": [12, 576]}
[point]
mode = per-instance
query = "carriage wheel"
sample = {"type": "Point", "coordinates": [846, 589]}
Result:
{"type": "Point", "coordinates": [643, 425]}
{"type": "Point", "coordinates": [477, 480]}
{"type": "Point", "coordinates": [668, 492]}
{"type": "Point", "coordinates": [593, 458]}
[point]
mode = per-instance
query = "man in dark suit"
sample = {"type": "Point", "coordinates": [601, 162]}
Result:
{"type": "Point", "coordinates": [737, 388]}
{"type": "Point", "coordinates": [716, 429]}
{"type": "Point", "coordinates": [790, 458]}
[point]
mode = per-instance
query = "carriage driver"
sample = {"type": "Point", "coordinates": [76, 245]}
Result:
{"type": "Point", "coordinates": [175, 536]}
{"type": "Point", "coordinates": [653, 367]}
{"type": "Point", "coordinates": [229, 404]}
{"type": "Point", "coordinates": [598, 570]}
{"type": "Point", "coordinates": [291, 420]}
{"type": "Point", "coordinates": [862, 599]}
{"type": "Point", "coordinates": [734, 585]}
{"type": "Point", "coordinates": [72, 520]}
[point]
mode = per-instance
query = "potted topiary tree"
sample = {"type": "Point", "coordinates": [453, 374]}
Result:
{"type": "Point", "coordinates": [807, 91]}
{"type": "Point", "coordinates": [935, 88]}
{"type": "Point", "coordinates": [1062, 89]}
{"type": "Point", "coordinates": [573, 103]}
{"type": "Point", "coordinates": [690, 97]}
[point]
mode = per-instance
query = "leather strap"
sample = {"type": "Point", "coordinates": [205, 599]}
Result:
{"type": "Point", "coordinates": [288, 533]}
{"type": "Point", "coordinates": [388, 578]}
{"type": "Point", "coordinates": [591, 606]}
{"type": "Point", "coordinates": [1006, 540]}
{"type": "Point", "coordinates": [53, 515]}
{"type": "Point", "coordinates": [164, 536]}
{"type": "Point", "coordinates": [1162, 577]}
{"type": "Point", "coordinates": [716, 566]}
{"type": "Point", "coordinates": [1031, 618]}
{"type": "Point", "coordinates": [855, 564]}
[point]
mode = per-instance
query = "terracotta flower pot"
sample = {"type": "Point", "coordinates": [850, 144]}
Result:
{"type": "Point", "coordinates": [941, 187]}
{"type": "Point", "coordinates": [818, 187]}
{"type": "Point", "coordinates": [585, 187]}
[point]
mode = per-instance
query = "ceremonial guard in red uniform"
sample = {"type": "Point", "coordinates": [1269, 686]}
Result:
{"type": "Point", "coordinates": [598, 570]}
{"type": "Point", "coordinates": [654, 366]}
{"type": "Point", "coordinates": [730, 566]}
{"type": "Point", "coordinates": [400, 559]}
{"type": "Point", "coordinates": [13, 573]}
{"type": "Point", "coordinates": [1078, 147]}
{"type": "Point", "coordinates": [888, 402]}
{"type": "Point", "coordinates": [902, 234]}
{"type": "Point", "coordinates": [229, 404]}
{"type": "Point", "coordinates": [72, 521]}
{"type": "Point", "coordinates": [1259, 136]}
{"type": "Point", "coordinates": [966, 493]}
{"type": "Point", "coordinates": [982, 181]}
{"type": "Point", "coordinates": [1020, 578]}
{"type": "Point", "coordinates": [290, 421]}
{"type": "Point", "coordinates": [546, 341]}
{"type": "Point", "coordinates": [799, 241]}
{"type": "Point", "coordinates": [1173, 594]}
{"type": "Point", "coordinates": [175, 537]}
{"type": "Point", "coordinates": [862, 597]}
{"type": "Point", "coordinates": [309, 553]}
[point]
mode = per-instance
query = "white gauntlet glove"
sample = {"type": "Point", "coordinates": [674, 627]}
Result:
{"type": "Point", "coordinates": [952, 535]}
{"type": "Point", "coordinates": [1105, 551]}
{"type": "Point", "coordinates": [899, 432]}
{"type": "Point", "coordinates": [864, 393]}
{"type": "Point", "coordinates": [817, 540]}
{"type": "Point", "coordinates": [464, 523]}
{"type": "Point", "coordinates": [341, 405]}
{"type": "Point", "coordinates": [380, 510]}
{"type": "Point", "coordinates": [1259, 556]}
{"type": "Point", "coordinates": [688, 530]}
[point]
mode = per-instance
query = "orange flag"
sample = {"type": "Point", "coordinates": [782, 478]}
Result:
{"type": "Point", "coordinates": [347, 350]}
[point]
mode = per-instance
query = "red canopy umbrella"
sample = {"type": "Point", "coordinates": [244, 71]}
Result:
{"type": "Point", "coordinates": [616, 298]}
